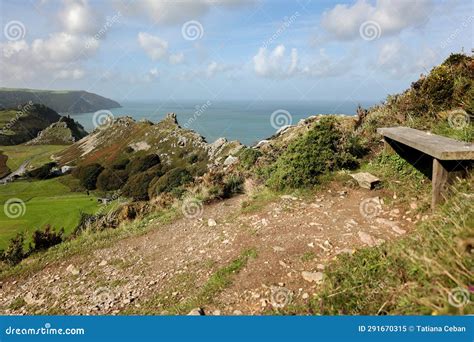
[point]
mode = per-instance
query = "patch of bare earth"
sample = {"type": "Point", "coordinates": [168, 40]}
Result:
{"type": "Point", "coordinates": [295, 239]}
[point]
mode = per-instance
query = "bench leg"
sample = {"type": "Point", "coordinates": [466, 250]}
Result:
{"type": "Point", "coordinates": [439, 181]}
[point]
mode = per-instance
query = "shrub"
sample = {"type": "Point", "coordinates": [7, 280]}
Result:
{"type": "Point", "coordinates": [88, 175]}
{"type": "Point", "coordinates": [137, 186]}
{"type": "Point", "coordinates": [46, 238]}
{"type": "Point", "coordinates": [42, 172]}
{"type": "Point", "coordinates": [142, 163]}
{"type": "Point", "coordinates": [224, 187]}
{"type": "Point", "coordinates": [121, 164]}
{"type": "Point", "coordinates": [248, 157]}
{"type": "Point", "coordinates": [111, 179]}
{"type": "Point", "coordinates": [15, 252]}
{"type": "Point", "coordinates": [324, 148]}
{"type": "Point", "coordinates": [169, 181]}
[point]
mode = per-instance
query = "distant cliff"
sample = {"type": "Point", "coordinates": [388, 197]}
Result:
{"type": "Point", "coordinates": [61, 101]}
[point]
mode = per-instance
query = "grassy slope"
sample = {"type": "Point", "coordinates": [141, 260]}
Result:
{"type": "Point", "coordinates": [47, 202]}
{"type": "Point", "coordinates": [38, 155]}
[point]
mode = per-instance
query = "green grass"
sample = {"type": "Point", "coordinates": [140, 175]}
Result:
{"type": "Point", "coordinates": [38, 155]}
{"type": "Point", "coordinates": [90, 240]}
{"type": "Point", "coordinates": [46, 202]}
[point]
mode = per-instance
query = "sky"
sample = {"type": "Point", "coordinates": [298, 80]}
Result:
{"type": "Point", "coordinates": [229, 49]}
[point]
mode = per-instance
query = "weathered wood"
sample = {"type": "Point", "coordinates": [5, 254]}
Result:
{"type": "Point", "coordinates": [439, 182]}
{"type": "Point", "coordinates": [365, 179]}
{"type": "Point", "coordinates": [439, 147]}
{"type": "Point", "coordinates": [450, 157]}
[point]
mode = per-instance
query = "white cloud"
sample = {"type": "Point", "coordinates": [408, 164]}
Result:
{"type": "Point", "coordinates": [177, 58]}
{"type": "Point", "coordinates": [275, 64]}
{"type": "Point", "coordinates": [215, 68]}
{"type": "Point", "coordinates": [399, 60]}
{"type": "Point", "coordinates": [62, 48]}
{"type": "Point", "coordinates": [152, 75]}
{"type": "Point", "coordinates": [325, 66]}
{"type": "Point", "coordinates": [78, 17]}
{"type": "Point", "coordinates": [155, 47]}
{"type": "Point", "coordinates": [343, 21]}
{"type": "Point", "coordinates": [176, 12]}
{"type": "Point", "coordinates": [58, 56]}
{"type": "Point", "coordinates": [74, 74]}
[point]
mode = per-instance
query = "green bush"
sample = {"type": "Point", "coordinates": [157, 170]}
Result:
{"type": "Point", "coordinates": [142, 163]}
{"type": "Point", "coordinates": [46, 238]}
{"type": "Point", "coordinates": [137, 186]}
{"type": "Point", "coordinates": [111, 179]}
{"type": "Point", "coordinates": [171, 180]}
{"type": "Point", "coordinates": [248, 157]}
{"type": "Point", "coordinates": [42, 172]}
{"type": "Point", "coordinates": [15, 251]}
{"type": "Point", "coordinates": [88, 175]}
{"type": "Point", "coordinates": [121, 164]}
{"type": "Point", "coordinates": [324, 148]}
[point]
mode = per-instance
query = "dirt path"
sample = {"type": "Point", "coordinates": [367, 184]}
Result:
{"type": "Point", "coordinates": [294, 240]}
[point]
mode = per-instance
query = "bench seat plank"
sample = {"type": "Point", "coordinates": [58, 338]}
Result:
{"type": "Point", "coordinates": [439, 147]}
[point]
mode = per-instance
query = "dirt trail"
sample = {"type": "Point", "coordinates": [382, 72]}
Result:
{"type": "Point", "coordinates": [294, 239]}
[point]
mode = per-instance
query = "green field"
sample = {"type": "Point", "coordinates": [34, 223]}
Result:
{"type": "Point", "coordinates": [37, 154]}
{"type": "Point", "coordinates": [46, 202]}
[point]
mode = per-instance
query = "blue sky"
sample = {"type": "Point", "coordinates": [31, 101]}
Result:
{"type": "Point", "coordinates": [241, 49]}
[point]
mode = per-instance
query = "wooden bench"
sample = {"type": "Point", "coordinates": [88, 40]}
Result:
{"type": "Point", "coordinates": [449, 156]}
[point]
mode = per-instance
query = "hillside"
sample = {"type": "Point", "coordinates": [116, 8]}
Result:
{"type": "Point", "coordinates": [63, 132]}
{"type": "Point", "coordinates": [277, 228]}
{"type": "Point", "coordinates": [68, 101]}
{"type": "Point", "coordinates": [20, 125]}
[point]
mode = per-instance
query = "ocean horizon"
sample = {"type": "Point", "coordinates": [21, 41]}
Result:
{"type": "Point", "coordinates": [245, 121]}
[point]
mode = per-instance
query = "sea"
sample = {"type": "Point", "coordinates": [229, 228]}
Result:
{"type": "Point", "coordinates": [246, 121]}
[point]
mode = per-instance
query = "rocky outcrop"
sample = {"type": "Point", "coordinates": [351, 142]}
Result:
{"type": "Point", "coordinates": [64, 132]}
